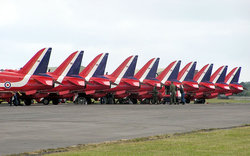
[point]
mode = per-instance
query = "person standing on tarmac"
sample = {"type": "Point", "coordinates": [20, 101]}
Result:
{"type": "Point", "coordinates": [155, 95]}
{"type": "Point", "coordinates": [167, 93]}
{"type": "Point", "coordinates": [16, 100]}
{"type": "Point", "coordinates": [182, 95]}
{"type": "Point", "coordinates": [173, 93]}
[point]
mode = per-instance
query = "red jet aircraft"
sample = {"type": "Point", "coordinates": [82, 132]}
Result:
{"type": "Point", "coordinates": [218, 79]}
{"type": "Point", "coordinates": [95, 80]}
{"type": "Point", "coordinates": [123, 80]}
{"type": "Point", "coordinates": [232, 79]}
{"type": "Point", "coordinates": [146, 75]}
{"type": "Point", "coordinates": [28, 80]}
{"type": "Point", "coordinates": [186, 76]}
{"type": "Point", "coordinates": [168, 75]}
{"type": "Point", "coordinates": [67, 79]}
{"type": "Point", "coordinates": [205, 86]}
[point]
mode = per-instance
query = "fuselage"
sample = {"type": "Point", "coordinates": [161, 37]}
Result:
{"type": "Point", "coordinates": [14, 81]}
{"type": "Point", "coordinates": [66, 83]}
{"type": "Point", "coordinates": [125, 85]}
{"type": "Point", "coordinates": [146, 89]}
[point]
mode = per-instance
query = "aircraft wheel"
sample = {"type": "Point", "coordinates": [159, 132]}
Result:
{"type": "Point", "coordinates": [187, 100]}
{"type": "Point", "coordinates": [199, 101]}
{"type": "Point", "coordinates": [195, 101]}
{"type": "Point", "coordinates": [120, 101]}
{"type": "Point", "coordinates": [81, 100]}
{"type": "Point", "coordinates": [27, 102]}
{"type": "Point", "coordinates": [129, 101]}
{"type": "Point", "coordinates": [45, 101]}
{"type": "Point", "coordinates": [88, 100]}
{"type": "Point", "coordinates": [104, 100]}
{"type": "Point", "coordinates": [15, 103]}
{"type": "Point", "coordinates": [110, 100]}
{"type": "Point", "coordinates": [55, 101]}
{"type": "Point", "coordinates": [63, 100]}
{"type": "Point", "coordinates": [143, 101]}
{"type": "Point", "coordinates": [147, 101]}
{"type": "Point", "coordinates": [134, 101]}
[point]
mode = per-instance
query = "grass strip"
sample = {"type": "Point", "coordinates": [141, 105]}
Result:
{"type": "Point", "coordinates": [221, 141]}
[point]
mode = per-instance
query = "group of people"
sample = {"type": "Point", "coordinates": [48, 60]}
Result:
{"type": "Point", "coordinates": [170, 92]}
{"type": "Point", "coordinates": [173, 90]}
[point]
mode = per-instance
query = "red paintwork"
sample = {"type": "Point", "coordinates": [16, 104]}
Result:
{"type": "Point", "coordinates": [68, 83]}
{"type": "Point", "coordinates": [188, 86]}
{"type": "Point", "coordinates": [234, 88]}
{"type": "Point", "coordinates": [165, 72]}
{"type": "Point", "coordinates": [213, 76]}
{"type": "Point", "coordinates": [183, 71]}
{"type": "Point", "coordinates": [126, 84]}
{"type": "Point", "coordinates": [34, 83]}
{"type": "Point", "coordinates": [140, 73]}
{"type": "Point", "coordinates": [200, 72]}
{"type": "Point", "coordinates": [219, 87]}
{"type": "Point", "coordinates": [147, 84]}
{"type": "Point", "coordinates": [205, 88]}
{"type": "Point", "coordinates": [95, 84]}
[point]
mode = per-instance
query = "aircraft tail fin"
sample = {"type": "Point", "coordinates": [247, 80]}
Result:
{"type": "Point", "coordinates": [233, 76]}
{"type": "Point", "coordinates": [170, 73]}
{"type": "Point", "coordinates": [149, 70]}
{"type": "Point", "coordinates": [153, 70]}
{"type": "Point", "coordinates": [204, 74]}
{"type": "Point", "coordinates": [126, 69]}
{"type": "Point", "coordinates": [71, 66]}
{"type": "Point", "coordinates": [131, 68]}
{"type": "Point", "coordinates": [102, 66]}
{"type": "Point", "coordinates": [208, 74]}
{"type": "Point", "coordinates": [96, 67]}
{"type": "Point", "coordinates": [38, 64]}
{"type": "Point", "coordinates": [187, 73]}
{"type": "Point", "coordinates": [219, 75]}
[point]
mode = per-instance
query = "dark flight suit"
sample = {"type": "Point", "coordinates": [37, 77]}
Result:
{"type": "Point", "coordinates": [182, 95]}
{"type": "Point", "coordinates": [155, 95]}
{"type": "Point", "coordinates": [173, 94]}
{"type": "Point", "coordinates": [167, 92]}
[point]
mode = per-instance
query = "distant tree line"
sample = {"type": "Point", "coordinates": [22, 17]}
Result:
{"type": "Point", "coordinates": [246, 91]}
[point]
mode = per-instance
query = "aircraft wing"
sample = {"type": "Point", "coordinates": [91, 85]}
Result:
{"type": "Point", "coordinates": [133, 83]}
{"type": "Point", "coordinates": [44, 81]}
{"type": "Point", "coordinates": [76, 81]}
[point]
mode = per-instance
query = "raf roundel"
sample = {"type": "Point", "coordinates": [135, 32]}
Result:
{"type": "Point", "coordinates": [7, 85]}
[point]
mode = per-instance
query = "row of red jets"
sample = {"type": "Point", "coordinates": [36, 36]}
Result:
{"type": "Point", "coordinates": [33, 81]}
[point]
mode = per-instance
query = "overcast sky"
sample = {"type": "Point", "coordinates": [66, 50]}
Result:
{"type": "Point", "coordinates": [214, 31]}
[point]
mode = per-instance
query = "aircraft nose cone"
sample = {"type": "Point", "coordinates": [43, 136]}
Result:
{"type": "Point", "coordinates": [212, 86]}
{"type": "Point", "coordinates": [81, 83]}
{"type": "Point", "coordinates": [195, 85]}
{"type": "Point", "coordinates": [137, 84]}
{"type": "Point", "coordinates": [226, 87]}
{"type": "Point", "coordinates": [158, 85]}
{"type": "Point", "coordinates": [107, 83]}
{"type": "Point", "coordinates": [113, 86]}
{"type": "Point", "coordinates": [240, 88]}
{"type": "Point", "coordinates": [49, 82]}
